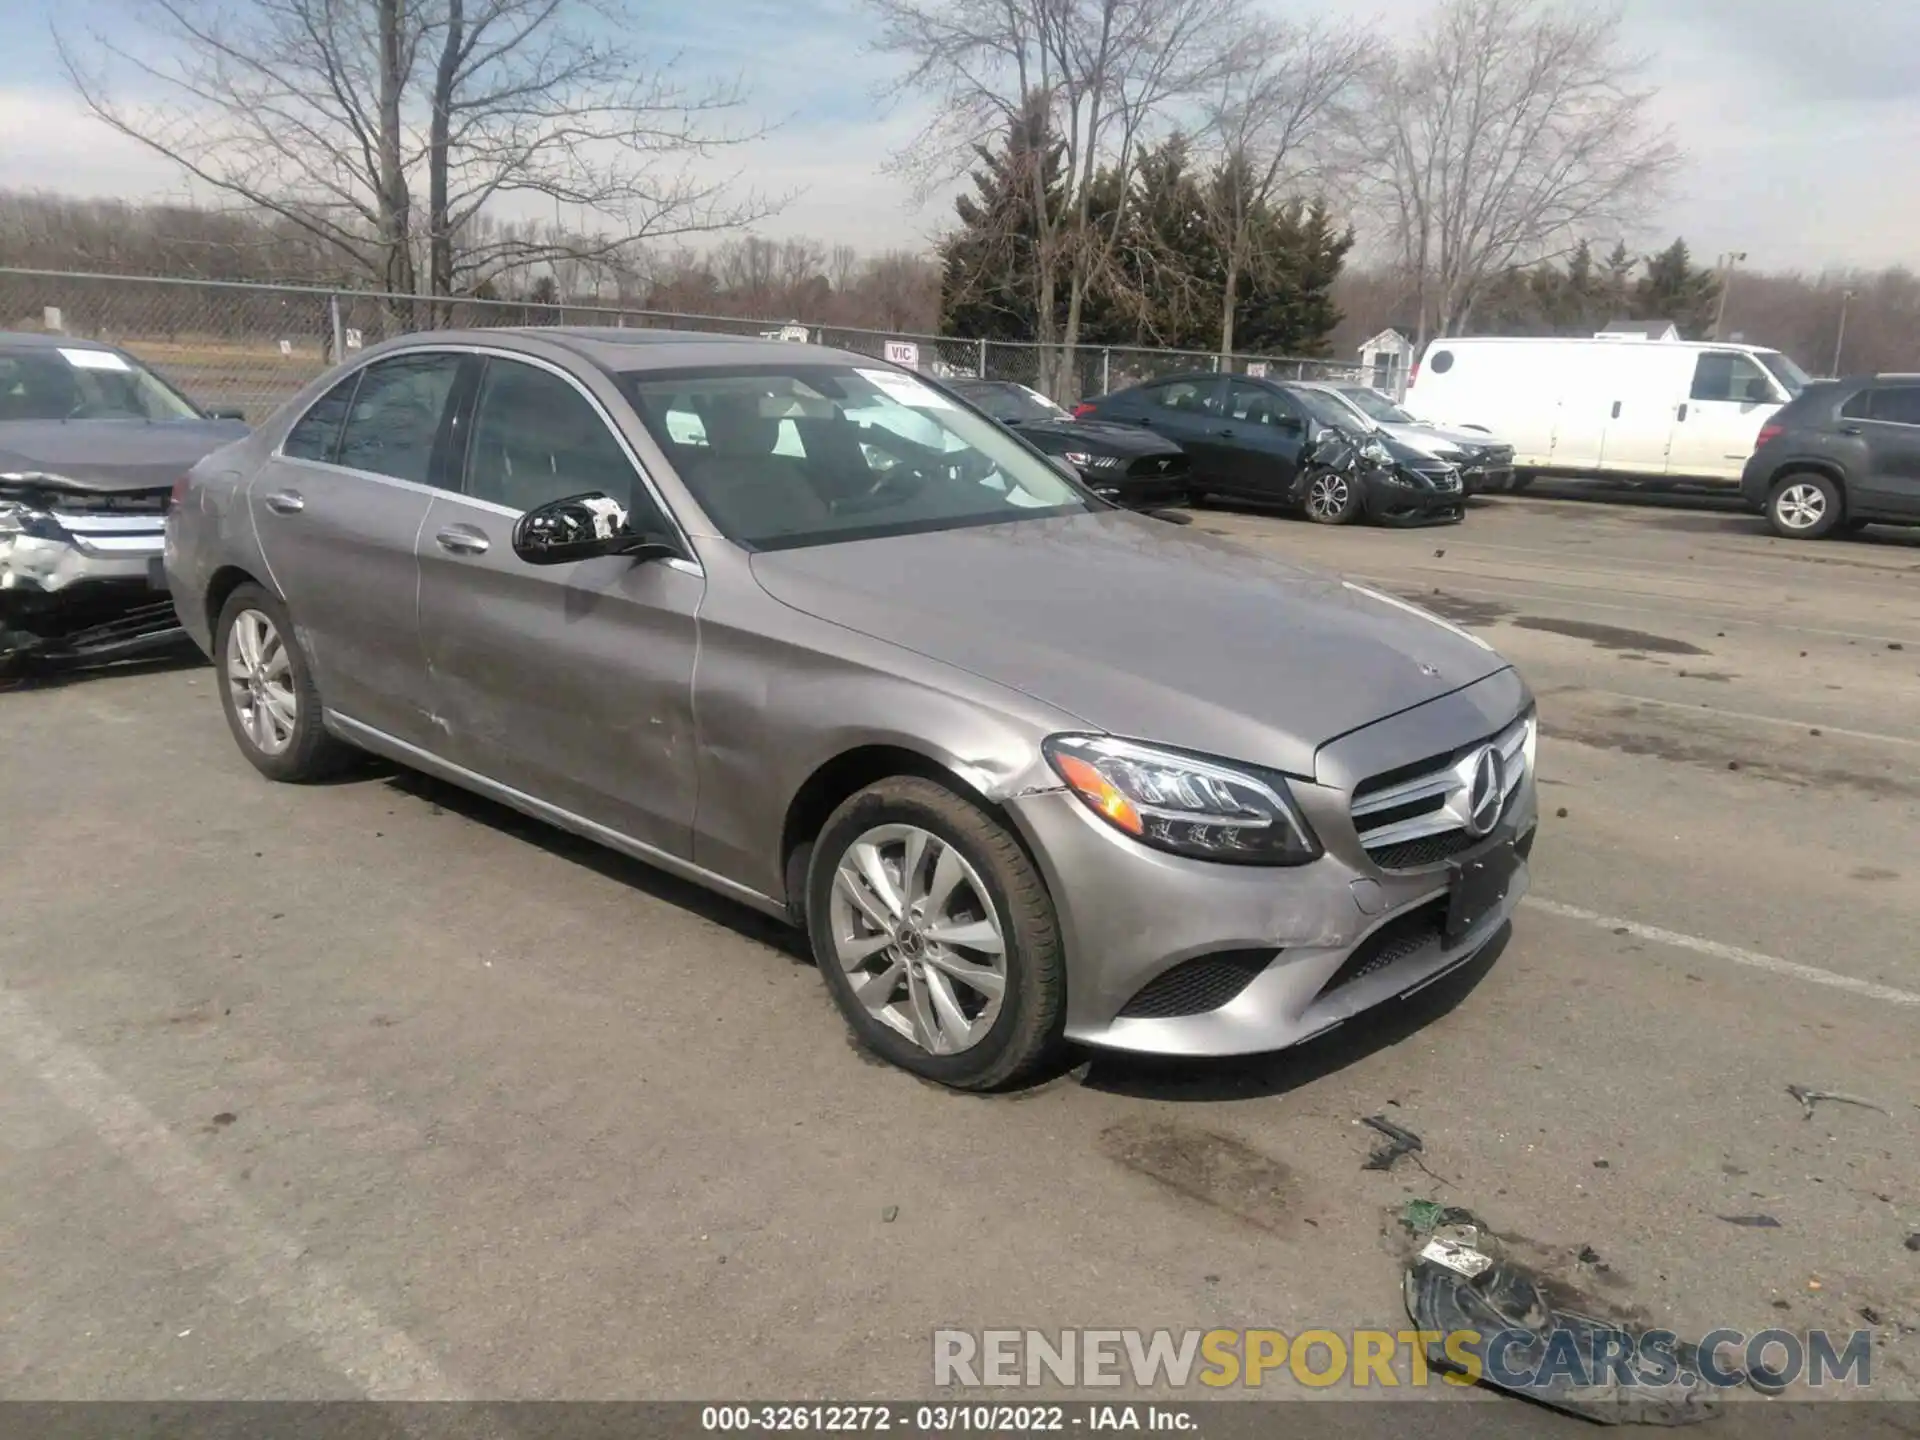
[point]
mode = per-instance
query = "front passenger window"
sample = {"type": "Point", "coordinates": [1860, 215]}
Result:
{"type": "Point", "coordinates": [1721, 375]}
{"type": "Point", "coordinates": [536, 438]}
{"type": "Point", "coordinates": [396, 416]}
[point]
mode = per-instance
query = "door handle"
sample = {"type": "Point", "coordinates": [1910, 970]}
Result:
{"type": "Point", "coordinates": [286, 502]}
{"type": "Point", "coordinates": [1616, 409]}
{"type": "Point", "coordinates": [1683, 411]}
{"type": "Point", "coordinates": [1226, 434]}
{"type": "Point", "coordinates": [1851, 430]}
{"type": "Point", "coordinates": [461, 540]}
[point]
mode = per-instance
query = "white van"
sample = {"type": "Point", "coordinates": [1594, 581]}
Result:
{"type": "Point", "coordinates": [1649, 409]}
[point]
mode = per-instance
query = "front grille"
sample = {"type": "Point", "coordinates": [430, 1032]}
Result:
{"type": "Point", "coordinates": [1415, 815]}
{"type": "Point", "coordinates": [1156, 467]}
{"type": "Point", "coordinates": [138, 502]}
{"type": "Point", "coordinates": [1193, 987]}
{"type": "Point", "coordinates": [1399, 939]}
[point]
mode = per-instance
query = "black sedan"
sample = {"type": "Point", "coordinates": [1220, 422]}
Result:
{"type": "Point", "coordinates": [1244, 435]}
{"type": "Point", "coordinates": [1120, 463]}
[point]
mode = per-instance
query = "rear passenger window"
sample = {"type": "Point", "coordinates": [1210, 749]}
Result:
{"type": "Point", "coordinates": [316, 433]}
{"type": "Point", "coordinates": [1186, 397]}
{"type": "Point", "coordinates": [1859, 406]}
{"type": "Point", "coordinates": [396, 415]}
{"type": "Point", "coordinates": [1721, 375]}
{"type": "Point", "coordinates": [1897, 405]}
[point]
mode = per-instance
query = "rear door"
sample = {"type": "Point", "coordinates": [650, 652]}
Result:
{"type": "Point", "coordinates": [1261, 438]}
{"type": "Point", "coordinates": [337, 510]}
{"type": "Point", "coordinates": [1717, 421]}
{"type": "Point", "coordinates": [1188, 412]}
{"type": "Point", "coordinates": [569, 683]}
{"type": "Point", "coordinates": [1889, 424]}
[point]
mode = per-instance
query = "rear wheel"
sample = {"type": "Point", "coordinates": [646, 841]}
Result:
{"type": "Point", "coordinates": [1332, 499]}
{"type": "Point", "coordinates": [1804, 506]}
{"type": "Point", "coordinates": [267, 690]}
{"type": "Point", "coordinates": [935, 936]}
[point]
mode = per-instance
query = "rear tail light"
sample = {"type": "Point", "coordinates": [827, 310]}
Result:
{"type": "Point", "coordinates": [1769, 434]}
{"type": "Point", "coordinates": [1413, 375]}
{"type": "Point", "coordinates": [1083, 409]}
{"type": "Point", "coordinates": [177, 496]}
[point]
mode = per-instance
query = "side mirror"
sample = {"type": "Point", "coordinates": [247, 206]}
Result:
{"type": "Point", "coordinates": [583, 527]}
{"type": "Point", "coordinates": [227, 412]}
{"type": "Point", "coordinates": [1290, 424]}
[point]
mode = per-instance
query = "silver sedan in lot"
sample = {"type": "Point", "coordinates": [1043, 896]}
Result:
{"type": "Point", "coordinates": [812, 632]}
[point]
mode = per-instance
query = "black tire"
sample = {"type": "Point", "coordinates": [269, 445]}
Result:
{"type": "Point", "coordinates": [1341, 507]}
{"type": "Point", "coordinates": [311, 753]}
{"type": "Point", "coordinates": [1025, 1034]}
{"type": "Point", "coordinates": [1805, 505]}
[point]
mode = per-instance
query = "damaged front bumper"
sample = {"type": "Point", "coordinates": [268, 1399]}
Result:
{"type": "Point", "coordinates": [81, 573]}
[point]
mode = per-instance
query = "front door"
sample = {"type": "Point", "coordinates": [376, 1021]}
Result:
{"type": "Point", "coordinates": [1890, 429]}
{"type": "Point", "coordinates": [1261, 438]}
{"type": "Point", "coordinates": [1715, 427]}
{"type": "Point", "coordinates": [337, 512]}
{"type": "Point", "coordinates": [570, 683]}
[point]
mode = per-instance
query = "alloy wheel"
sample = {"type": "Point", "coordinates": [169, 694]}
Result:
{"type": "Point", "coordinates": [1800, 506]}
{"type": "Point", "coordinates": [916, 932]}
{"type": "Point", "coordinates": [1328, 497]}
{"type": "Point", "coordinates": [260, 682]}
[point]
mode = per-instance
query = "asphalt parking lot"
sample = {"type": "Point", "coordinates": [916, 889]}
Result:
{"type": "Point", "coordinates": [374, 1089]}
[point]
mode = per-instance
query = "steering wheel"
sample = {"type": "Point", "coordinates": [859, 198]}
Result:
{"type": "Point", "coordinates": [900, 481]}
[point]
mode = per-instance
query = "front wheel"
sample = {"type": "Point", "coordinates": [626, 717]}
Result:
{"type": "Point", "coordinates": [1332, 498]}
{"type": "Point", "coordinates": [936, 936]}
{"type": "Point", "coordinates": [1804, 506]}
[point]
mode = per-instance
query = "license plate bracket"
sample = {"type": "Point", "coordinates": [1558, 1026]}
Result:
{"type": "Point", "coordinates": [1479, 885]}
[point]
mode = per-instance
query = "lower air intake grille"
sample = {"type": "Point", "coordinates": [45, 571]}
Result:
{"type": "Point", "coordinates": [1394, 941]}
{"type": "Point", "coordinates": [1428, 850]}
{"type": "Point", "coordinates": [1193, 987]}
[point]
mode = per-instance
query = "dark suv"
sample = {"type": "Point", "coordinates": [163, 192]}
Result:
{"type": "Point", "coordinates": [1845, 453]}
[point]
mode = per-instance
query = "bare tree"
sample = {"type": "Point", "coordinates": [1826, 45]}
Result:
{"type": "Point", "coordinates": [1272, 123]}
{"type": "Point", "coordinates": [313, 109]}
{"type": "Point", "coordinates": [1504, 132]}
{"type": "Point", "coordinates": [1099, 74]}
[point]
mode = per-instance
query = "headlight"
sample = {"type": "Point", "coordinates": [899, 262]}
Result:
{"type": "Point", "coordinates": [1185, 804]}
{"type": "Point", "coordinates": [1075, 457]}
{"type": "Point", "coordinates": [1530, 745]}
{"type": "Point", "coordinates": [1373, 450]}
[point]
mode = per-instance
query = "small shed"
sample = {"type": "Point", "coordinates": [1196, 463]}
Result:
{"type": "Point", "coordinates": [1385, 360]}
{"type": "Point", "coordinates": [1640, 330]}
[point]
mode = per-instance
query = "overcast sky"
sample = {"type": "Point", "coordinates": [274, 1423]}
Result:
{"type": "Point", "coordinates": [1801, 124]}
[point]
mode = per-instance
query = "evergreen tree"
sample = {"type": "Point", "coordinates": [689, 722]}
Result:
{"type": "Point", "coordinates": [1673, 289]}
{"type": "Point", "coordinates": [990, 266]}
{"type": "Point", "coordinates": [1288, 306]}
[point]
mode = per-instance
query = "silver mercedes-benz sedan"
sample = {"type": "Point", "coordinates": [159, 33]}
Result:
{"type": "Point", "coordinates": [810, 631]}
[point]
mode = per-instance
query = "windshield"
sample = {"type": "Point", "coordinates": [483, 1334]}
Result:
{"type": "Point", "coordinates": [781, 456]}
{"type": "Point", "coordinates": [1331, 409]}
{"type": "Point", "coordinates": [1012, 402]}
{"type": "Point", "coordinates": [72, 383]}
{"type": "Point", "coordinates": [1791, 377]}
{"type": "Point", "coordinates": [1375, 405]}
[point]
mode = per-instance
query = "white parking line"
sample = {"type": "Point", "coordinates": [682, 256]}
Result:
{"type": "Point", "coordinates": [1753, 959]}
{"type": "Point", "coordinates": [1746, 715]}
{"type": "Point", "coordinates": [260, 1261]}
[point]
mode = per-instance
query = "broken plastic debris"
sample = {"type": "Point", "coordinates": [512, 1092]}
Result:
{"type": "Point", "coordinates": [1457, 1257]}
{"type": "Point", "coordinates": [1752, 1222]}
{"type": "Point", "coordinates": [1399, 1142]}
{"type": "Point", "coordinates": [890, 1214]}
{"type": "Point", "coordinates": [1502, 1302]}
{"type": "Point", "coordinates": [1913, 1241]}
{"type": "Point", "coordinates": [1808, 1098]}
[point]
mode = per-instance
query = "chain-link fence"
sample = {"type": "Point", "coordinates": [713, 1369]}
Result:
{"type": "Point", "coordinates": [249, 347]}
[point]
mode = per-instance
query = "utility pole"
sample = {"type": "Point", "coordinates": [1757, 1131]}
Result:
{"type": "Point", "coordinates": [1840, 340]}
{"type": "Point", "coordinates": [1727, 263]}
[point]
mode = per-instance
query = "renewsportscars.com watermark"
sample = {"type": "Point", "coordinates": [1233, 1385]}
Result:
{"type": "Point", "coordinates": [1388, 1359]}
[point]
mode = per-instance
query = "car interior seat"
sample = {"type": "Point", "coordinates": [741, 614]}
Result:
{"type": "Point", "coordinates": [742, 483]}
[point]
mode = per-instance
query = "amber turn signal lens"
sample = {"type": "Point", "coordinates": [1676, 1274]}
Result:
{"type": "Point", "coordinates": [1094, 787]}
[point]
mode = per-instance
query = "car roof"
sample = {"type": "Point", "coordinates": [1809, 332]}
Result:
{"type": "Point", "coordinates": [626, 351]}
{"type": "Point", "coordinates": [40, 340]}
